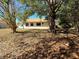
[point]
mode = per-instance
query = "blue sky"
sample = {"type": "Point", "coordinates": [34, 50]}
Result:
{"type": "Point", "coordinates": [33, 16]}
{"type": "Point", "coordinates": [18, 4]}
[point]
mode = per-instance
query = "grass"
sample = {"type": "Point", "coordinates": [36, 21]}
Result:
{"type": "Point", "coordinates": [17, 44]}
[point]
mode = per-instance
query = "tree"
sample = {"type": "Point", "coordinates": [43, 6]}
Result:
{"type": "Point", "coordinates": [54, 6]}
{"type": "Point", "coordinates": [75, 14]}
{"type": "Point", "coordinates": [8, 13]}
{"type": "Point", "coordinates": [46, 8]}
{"type": "Point", "coordinates": [65, 16]}
{"type": "Point", "coordinates": [24, 16]}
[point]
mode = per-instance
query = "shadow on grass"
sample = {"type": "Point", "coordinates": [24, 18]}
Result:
{"type": "Point", "coordinates": [44, 50]}
{"type": "Point", "coordinates": [51, 48]}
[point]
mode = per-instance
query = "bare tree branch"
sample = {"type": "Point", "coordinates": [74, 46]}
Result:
{"type": "Point", "coordinates": [58, 6]}
{"type": "Point", "coordinates": [49, 5]}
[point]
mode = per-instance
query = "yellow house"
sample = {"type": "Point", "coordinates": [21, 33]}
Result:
{"type": "Point", "coordinates": [36, 24]}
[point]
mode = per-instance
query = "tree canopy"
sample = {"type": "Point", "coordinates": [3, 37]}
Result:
{"type": "Point", "coordinates": [9, 13]}
{"type": "Point", "coordinates": [65, 10]}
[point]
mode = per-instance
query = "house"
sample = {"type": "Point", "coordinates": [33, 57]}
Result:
{"type": "Point", "coordinates": [35, 24]}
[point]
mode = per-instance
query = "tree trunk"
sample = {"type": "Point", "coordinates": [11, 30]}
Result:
{"type": "Point", "coordinates": [14, 28]}
{"type": "Point", "coordinates": [77, 25]}
{"type": "Point", "coordinates": [52, 23]}
{"type": "Point", "coordinates": [52, 26]}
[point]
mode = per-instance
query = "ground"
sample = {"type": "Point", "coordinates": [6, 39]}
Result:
{"type": "Point", "coordinates": [13, 45]}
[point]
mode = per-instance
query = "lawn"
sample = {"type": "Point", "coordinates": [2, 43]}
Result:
{"type": "Point", "coordinates": [31, 44]}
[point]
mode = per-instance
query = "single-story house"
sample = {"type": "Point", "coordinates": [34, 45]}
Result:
{"type": "Point", "coordinates": [34, 24]}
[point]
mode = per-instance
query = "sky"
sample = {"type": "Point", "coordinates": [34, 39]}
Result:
{"type": "Point", "coordinates": [33, 16]}
{"type": "Point", "coordinates": [18, 4]}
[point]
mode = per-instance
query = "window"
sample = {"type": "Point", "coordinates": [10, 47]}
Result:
{"type": "Point", "coordinates": [38, 24]}
{"type": "Point", "coordinates": [27, 24]}
{"type": "Point", "coordinates": [42, 23]}
{"type": "Point", "coordinates": [31, 24]}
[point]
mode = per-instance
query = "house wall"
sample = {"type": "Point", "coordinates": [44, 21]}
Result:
{"type": "Point", "coordinates": [42, 26]}
{"type": "Point", "coordinates": [37, 24]}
